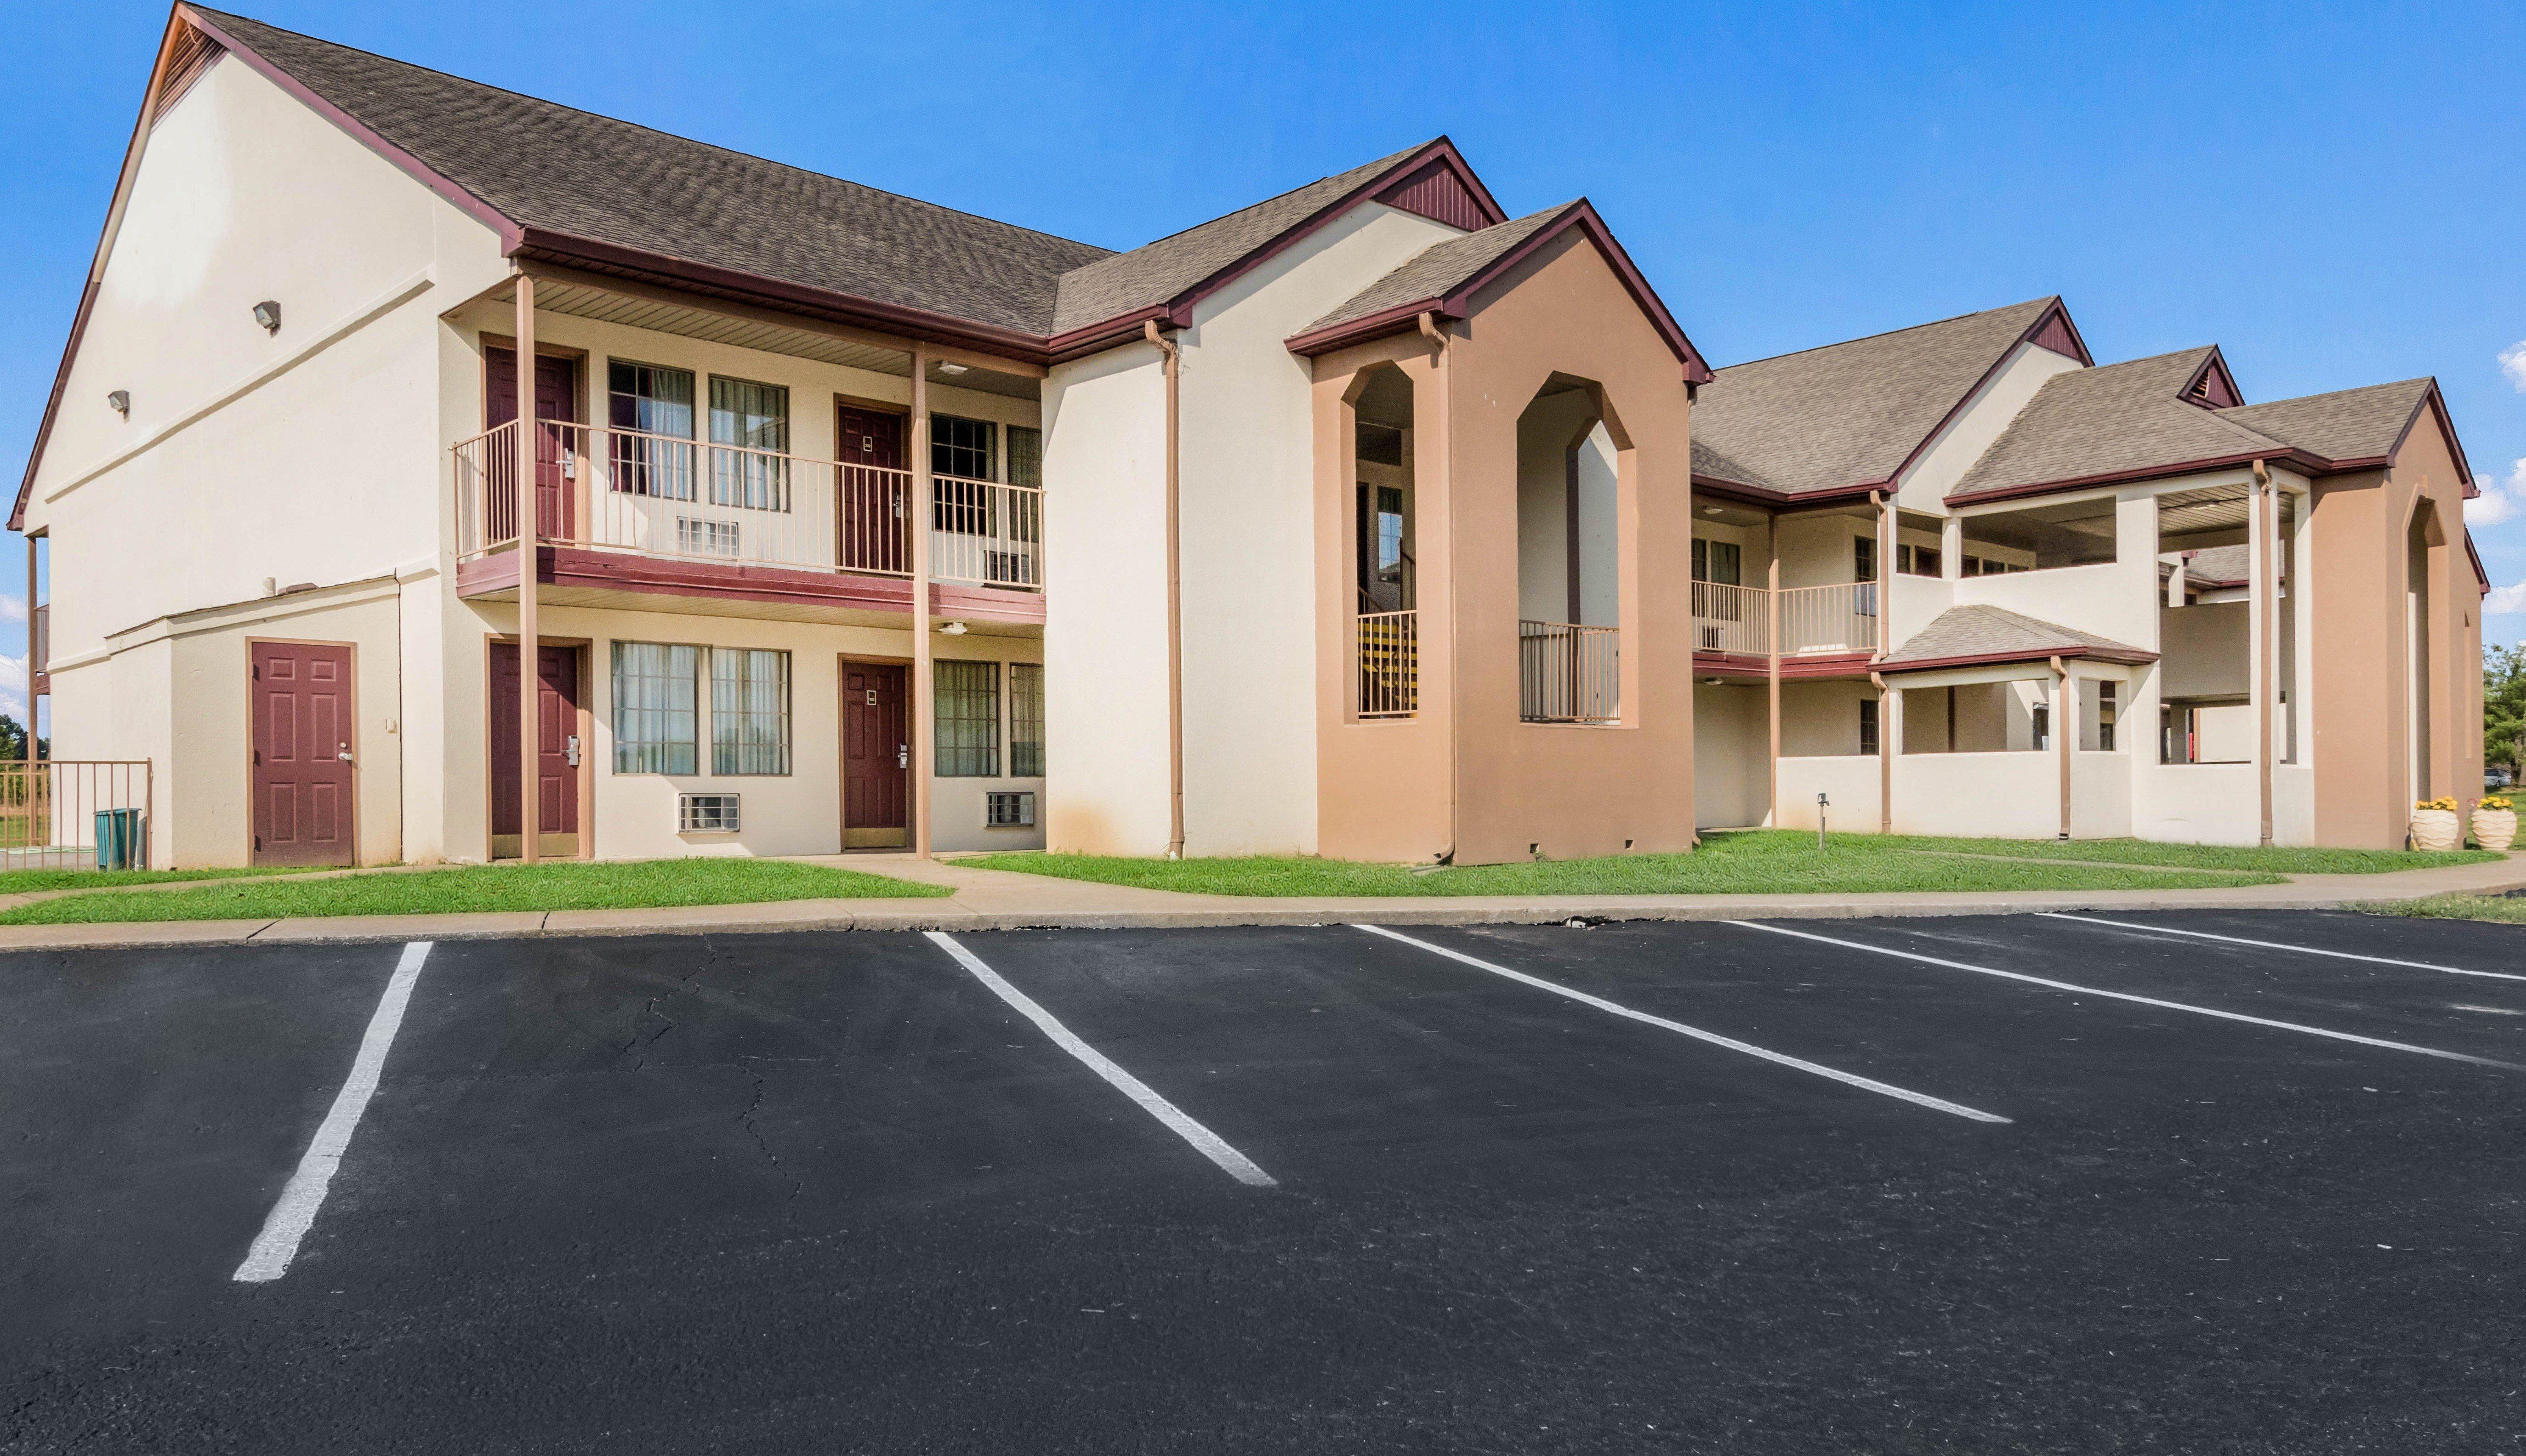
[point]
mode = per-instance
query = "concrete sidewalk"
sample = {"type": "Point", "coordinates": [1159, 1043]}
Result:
{"type": "Point", "coordinates": [999, 900]}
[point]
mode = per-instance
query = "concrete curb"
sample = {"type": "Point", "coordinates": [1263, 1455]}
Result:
{"type": "Point", "coordinates": [1070, 905]}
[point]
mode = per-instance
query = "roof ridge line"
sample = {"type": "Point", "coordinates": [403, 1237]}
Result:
{"type": "Point", "coordinates": [1890, 332]}
{"type": "Point", "coordinates": [659, 131]}
{"type": "Point", "coordinates": [1252, 206]}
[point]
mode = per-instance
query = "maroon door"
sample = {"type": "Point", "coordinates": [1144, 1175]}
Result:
{"type": "Point", "coordinates": [873, 516]}
{"type": "Point", "coordinates": [557, 751]}
{"type": "Point", "coordinates": [302, 753]}
{"type": "Point", "coordinates": [875, 769]}
{"type": "Point", "coordinates": [556, 442]}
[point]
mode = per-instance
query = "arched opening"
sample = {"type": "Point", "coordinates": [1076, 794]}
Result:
{"type": "Point", "coordinates": [1569, 559]}
{"type": "Point", "coordinates": [1385, 559]}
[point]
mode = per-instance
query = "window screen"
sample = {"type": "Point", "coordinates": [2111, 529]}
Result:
{"type": "Point", "coordinates": [655, 708]}
{"type": "Point", "coordinates": [969, 719]}
{"type": "Point", "coordinates": [749, 711]}
{"type": "Point", "coordinates": [1026, 720]}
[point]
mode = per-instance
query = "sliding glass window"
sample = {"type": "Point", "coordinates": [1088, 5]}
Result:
{"type": "Point", "coordinates": [749, 430]}
{"type": "Point", "coordinates": [969, 719]}
{"type": "Point", "coordinates": [749, 711]}
{"type": "Point", "coordinates": [1026, 720]}
{"type": "Point", "coordinates": [651, 412]}
{"type": "Point", "coordinates": [656, 697]}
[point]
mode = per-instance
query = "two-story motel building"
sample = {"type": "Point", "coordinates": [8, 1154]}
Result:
{"type": "Point", "coordinates": [1367, 521]}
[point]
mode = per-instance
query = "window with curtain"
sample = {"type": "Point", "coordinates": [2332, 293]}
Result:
{"type": "Point", "coordinates": [656, 701]}
{"type": "Point", "coordinates": [650, 401]}
{"type": "Point", "coordinates": [1717, 561]}
{"type": "Point", "coordinates": [749, 711]}
{"type": "Point", "coordinates": [1026, 456]}
{"type": "Point", "coordinates": [750, 417]}
{"type": "Point", "coordinates": [1026, 720]}
{"type": "Point", "coordinates": [969, 719]}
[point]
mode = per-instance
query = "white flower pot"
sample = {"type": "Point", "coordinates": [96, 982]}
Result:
{"type": "Point", "coordinates": [2435, 828]}
{"type": "Point", "coordinates": [2494, 829]}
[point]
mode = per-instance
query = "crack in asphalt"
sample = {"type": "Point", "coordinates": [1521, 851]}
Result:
{"type": "Point", "coordinates": [746, 1119]}
{"type": "Point", "coordinates": [641, 1041]}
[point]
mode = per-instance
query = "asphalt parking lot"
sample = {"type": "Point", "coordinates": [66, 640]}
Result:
{"type": "Point", "coordinates": [2022, 1184]}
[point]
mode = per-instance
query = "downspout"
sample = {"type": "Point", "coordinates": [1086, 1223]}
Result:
{"type": "Point", "coordinates": [2266, 526]}
{"type": "Point", "coordinates": [2065, 735]}
{"type": "Point", "coordinates": [1175, 591]}
{"type": "Point", "coordinates": [1437, 339]}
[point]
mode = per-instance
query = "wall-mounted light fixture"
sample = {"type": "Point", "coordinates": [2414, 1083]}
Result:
{"type": "Point", "coordinates": [267, 314]}
{"type": "Point", "coordinates": [121, 402]}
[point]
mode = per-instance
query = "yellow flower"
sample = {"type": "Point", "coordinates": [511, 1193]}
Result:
{"type": "Point", "coordinates": [2494, 802]}
{"type": "Point", "coordinates": [2444, 805]}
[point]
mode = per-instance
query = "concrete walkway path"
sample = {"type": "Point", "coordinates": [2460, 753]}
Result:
{"type": "Point", "coordinates": [999, 900]}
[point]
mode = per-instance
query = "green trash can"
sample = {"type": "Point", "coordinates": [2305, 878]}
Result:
{"type": "Point", "coordinates": [118, 838]}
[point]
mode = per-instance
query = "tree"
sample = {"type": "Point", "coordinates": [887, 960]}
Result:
{"type": "Point", "coordinates": [2504, 707]}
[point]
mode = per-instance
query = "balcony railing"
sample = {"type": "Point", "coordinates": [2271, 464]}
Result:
{"type": "Point", "coordinates": [1730, 618]}
{"type": "Point", "coordinates": [1390, 665]}
{"type": "Point", "coordinates": [611, 489]}
{"type": "Point", "coordinates": [1568, 672]}
{"type": "Point", "coordinates": [1840, 618]}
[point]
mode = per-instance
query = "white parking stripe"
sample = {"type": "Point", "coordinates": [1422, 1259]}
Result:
{"type": "Point", "coordinates": [2305, 950]}
{"type": "Point", "coordinates": [1884, 1089]}
{"type": "Point", "coordinates": [295, 1212]}
{"type": "Point", "coordinates": [2088, 990]}
{"type": "Point", "coordinates": [1208, 1143]}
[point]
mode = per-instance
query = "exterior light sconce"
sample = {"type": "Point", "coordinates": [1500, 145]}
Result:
{"type": "Point", "coordinates": [952, 629]}
{"type": "Point", "coordinates": [119, 401]}
{"type": "Point", "coordinates": [1821, 806]}
{"type": "Point", "coordinates": [267, 314]}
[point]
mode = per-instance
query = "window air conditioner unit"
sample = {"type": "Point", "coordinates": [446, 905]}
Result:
{"type": "Point", "coordinates": [706, 814]}
{"type": "Point", "coordinates": [1008, 809]}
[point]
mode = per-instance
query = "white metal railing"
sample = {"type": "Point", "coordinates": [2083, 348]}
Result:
{"type": "Point", "coordinates": [1568, 672]}
{"type": "Point", "coordinates": [1730, 618]}
{"type": "Point", "coordinates": [1840, 618]}
{"type": "Point", "coordinates": [613, 489]}
{"type": "Point", "coordinates": [1390, 664]}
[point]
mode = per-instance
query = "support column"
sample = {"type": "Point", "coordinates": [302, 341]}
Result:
{"type": "Point", "coordinates": [530, 509]}
{"type": "Point", "coordinates": [1885, 523]}
{"type": "Point", "coordinates": [924, 672]}
{"type": "Point", "coordinates": [1890, 738]}
{"type": "Point", "coordinates": [2065, 734]}
{"type": "Point", "coordinates": [34, 708]}
{"type": "Point", "coordinates": [1772, 676]}
{"type": "Point", "coordinates": [2259, 523]}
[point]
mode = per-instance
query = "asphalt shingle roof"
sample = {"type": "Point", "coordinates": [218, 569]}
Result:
{"type": "Point", "coordinates": [1850, 414]}
{"type": "Point", "coordinates": [1150, 275]}
{"type": "Point", "coordinates": [1440, 267]}
{"type": "Point", "coordinates": [2345, 425]}
{"type": "Point", "coordinates": [2109, 419]}
{"type": "Point", "coordinates": [1995, 633]}
{"type": "Point", "coordinates": [551, 166]}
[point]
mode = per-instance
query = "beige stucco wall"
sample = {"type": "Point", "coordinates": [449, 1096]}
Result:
{"type": "Point", "coordinates": [1730, 743]}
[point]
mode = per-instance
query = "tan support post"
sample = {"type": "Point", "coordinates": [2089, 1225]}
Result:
{"type": "Point", "coordinates": [2065, 735]}
{"type": "Point", "coordinates": [2265, 523]}
{"type": "Point", "coordinates": [1772, 675]}
{"type": "Point", "coordinates": [1885, 505]}
{"type": "Point", "coordinates": [1168, 348]}
{"type": "Point", "coordinates": [925, 672]}
{"type": "Point", "coordinates": [1890, 724]}
{"type": "Point", "coordinates": [1443, 371]}
{"type": "Point", "coordinates": [530, 509]}
{"type": "Point", "coordinates": [34, 709]}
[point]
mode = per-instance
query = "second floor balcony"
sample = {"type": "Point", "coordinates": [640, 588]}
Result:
{"type": "Point", "coordinates": [709, 510]}
{"type": "Point", "coordinates": [1839, 620]}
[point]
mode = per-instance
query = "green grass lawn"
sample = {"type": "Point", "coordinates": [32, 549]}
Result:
{"type": "Point", "coordinates": [1749, 862]}
{"type": "Point", "coordinates": [24, 881]}
{"type": "Point", "coordinates": [2201, 856]}
{"type": "Point", "coordinates": [2454, 907]}
{"type": "Point", "coordinates": [549, 886]}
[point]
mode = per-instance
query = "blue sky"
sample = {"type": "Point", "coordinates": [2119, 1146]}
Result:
{"type": "Point", "coordinates": [2331, 193]}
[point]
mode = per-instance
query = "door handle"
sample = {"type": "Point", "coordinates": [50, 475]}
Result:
{"type": "Point", "coordinates": [570, 751]}
{"type": "Point", "coordinates": [345, 754]}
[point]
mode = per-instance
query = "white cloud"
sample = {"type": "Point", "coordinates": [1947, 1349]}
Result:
{"type": "Point", "coordinates": [2512, 362]}
{"type": "Point", "coordinates": [14, 608]}
{"type": "Point", "coordinates": [2504, 600]}
{"type": "Point", "coordinates": [2499, 501]}
{"type": "Point", "coordinates": [13, 686]}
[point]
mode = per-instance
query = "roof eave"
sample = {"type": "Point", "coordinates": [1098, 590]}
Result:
{"type": "Point", "coordinates": [1772, 499]}
{"type": "Point", "coordinates": [2128, 656]}
{"type": "Point", "coordinates": [2303, 459]}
